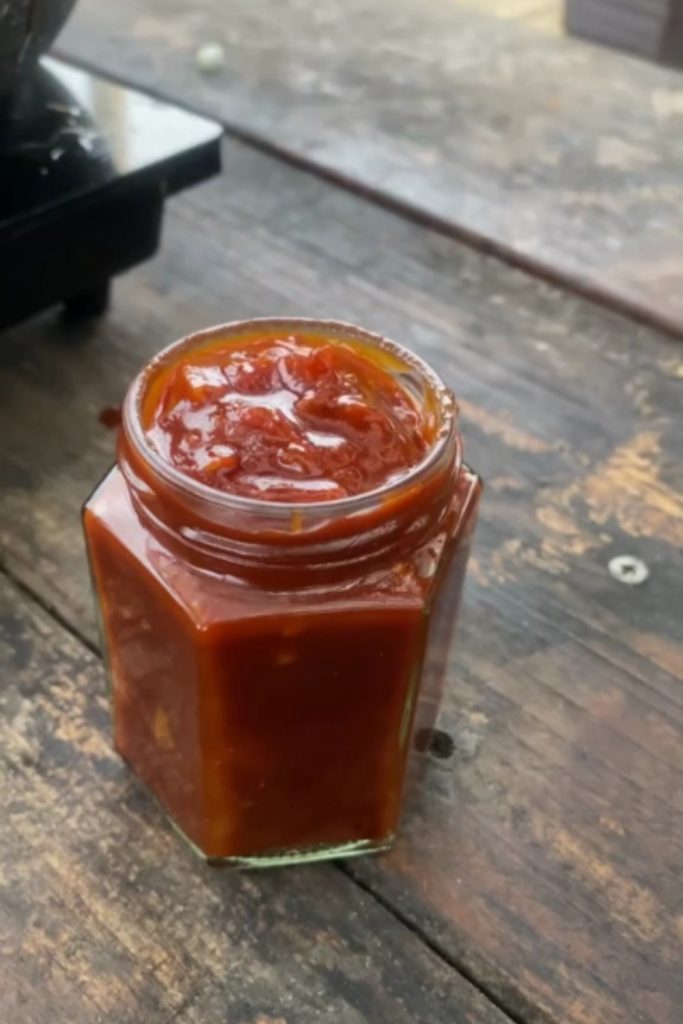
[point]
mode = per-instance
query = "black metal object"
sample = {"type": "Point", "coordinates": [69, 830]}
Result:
{"type": "Point", "coordinates": [85, 166]}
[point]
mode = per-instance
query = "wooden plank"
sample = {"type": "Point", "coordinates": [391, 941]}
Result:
{"type": "Point", "coordinates": [106, 916]}
{"type": "Point", "coordinates": [650, 28]}
{"type": "Point", "coordinates": [559, 156]}
{"type": "Point", "coordinates": [545, 856]}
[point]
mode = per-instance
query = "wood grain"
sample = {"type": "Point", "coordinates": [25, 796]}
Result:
{"type": "Point", "coordinates": [105, 915]}
{"type": "Point", "coordinates": [544, 858]}
{"type": "Point", "coordinates": [559, 156]}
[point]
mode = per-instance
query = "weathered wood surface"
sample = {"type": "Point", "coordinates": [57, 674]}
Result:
{"type": "Point", "coordinates": [106, 916]}
{"type": "Point", "coordinates": [561, 156]}
{"type": "Point", "coordinates": [545, 857]}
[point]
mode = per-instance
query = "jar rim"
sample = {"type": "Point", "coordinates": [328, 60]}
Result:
{"type": "Point", "coordinates": [226, 501]}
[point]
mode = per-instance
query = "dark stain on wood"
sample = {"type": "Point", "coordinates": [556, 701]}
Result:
{"type": "Point", "coordinates": [110, 416]}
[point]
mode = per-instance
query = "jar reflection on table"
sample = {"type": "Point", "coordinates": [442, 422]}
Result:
{"type": "Point", "coordinates": [269, 663]}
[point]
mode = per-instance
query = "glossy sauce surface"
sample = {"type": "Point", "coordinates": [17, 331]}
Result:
{"type": "Point", "coordinates": [286, 419]}
{"type": "Point", "coordinates": [267, 690]}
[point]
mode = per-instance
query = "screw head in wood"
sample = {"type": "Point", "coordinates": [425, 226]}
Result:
{"type": "Point", "coordinates": [628, 569]}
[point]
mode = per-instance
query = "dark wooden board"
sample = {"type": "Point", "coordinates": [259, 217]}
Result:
{"type": "Point", "coordinates": [651, 28]}
{"type": "Point", "coordinates": [105, 916]}
{"type": "Point", "coordinates": [544, 858]}
{"type": "Point", "coordinates": [561, 156]}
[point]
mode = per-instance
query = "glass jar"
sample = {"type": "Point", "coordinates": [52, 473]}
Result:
{"type": "Point", "coordinates": [270, 662]}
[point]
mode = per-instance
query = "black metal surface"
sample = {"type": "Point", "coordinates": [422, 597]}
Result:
{"type": "Point", "coordinates": [69, 254]}
{"type": "Point", "coordinates": [85, 165]}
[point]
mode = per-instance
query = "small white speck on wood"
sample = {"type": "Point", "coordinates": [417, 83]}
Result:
{"type": "Point", "coordinates": [210, 58]}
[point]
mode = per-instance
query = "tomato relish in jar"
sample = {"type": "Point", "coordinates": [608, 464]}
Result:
{"type": "Point", "coordinates": [278, 556]}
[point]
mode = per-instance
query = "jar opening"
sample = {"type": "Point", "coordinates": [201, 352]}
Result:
{"type": "Point", "coordinates": [414, 376]}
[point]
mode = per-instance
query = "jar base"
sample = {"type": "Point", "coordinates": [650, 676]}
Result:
{"type": "Point", "coordinates": [290, 858]}
{"type": "Point", "coordinates": [270, 858]}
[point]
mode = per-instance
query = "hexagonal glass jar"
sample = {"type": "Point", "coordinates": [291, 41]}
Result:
{"type": "Point", "coordinates": [269, 662]}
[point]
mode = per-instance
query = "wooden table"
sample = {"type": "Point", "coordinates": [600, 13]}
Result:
{"type": "Point", "coordinates": [538, 877]}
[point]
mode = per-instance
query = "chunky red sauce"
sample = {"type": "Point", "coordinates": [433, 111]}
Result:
{"type": "Point", "coordinates": [286, 419]}
{"type": "Point", "coordinates": [266, 681]}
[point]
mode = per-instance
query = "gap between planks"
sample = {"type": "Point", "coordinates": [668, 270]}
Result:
{"type": "Point", "coordinates": [438, 950]}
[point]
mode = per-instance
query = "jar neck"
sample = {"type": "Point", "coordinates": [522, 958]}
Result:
{"type": "Point", "coordinates": [298, 544]}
